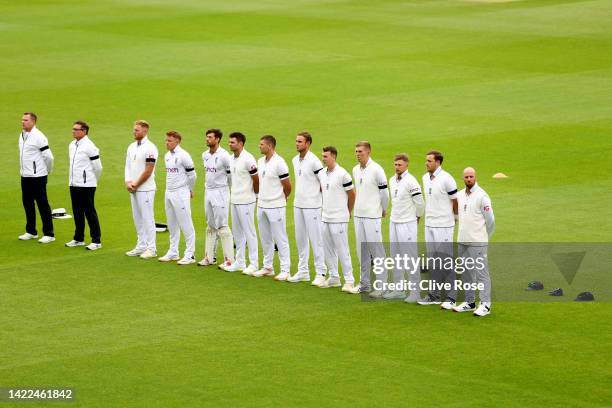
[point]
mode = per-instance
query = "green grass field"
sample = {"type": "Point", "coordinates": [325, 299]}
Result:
{"type": "Point", "coordinates": [522, 87]}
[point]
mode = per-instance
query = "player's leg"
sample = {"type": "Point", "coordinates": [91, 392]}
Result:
{"type": "Point", "coordinates": [147, 202]}
{"type": "Point", "coordinates": [91, 214]}
{"type": "Point", "coordinates": [301, 239]}
{"type": "Point", "coordinates": [408, 236]}
{"type": "Point", "coordinates": [279, 234]}
{"type": "Point", "coordinates": [396, 248]}
{"type": "Point", "coordinates": [141, 244]}
{"type": "Point", "coordinates": [182, 211]}
{"type": "Point", "coordinates": [211, 229]}
{"type": "Point", "coordinates": [43, 206]}
{"type": "Point", "coordinates": [483, 276]}
{"type": "Point", "coordinates": [445, 240]}
{"type": "Point", "coordinates": [339, 234]}
{"type": "Point", "coordinates": [313, 227]}
{"type": "Point", "coordinates": [239, 238]}
{"type": "Point", "coordinates": [376, 250]}
{"type": "Point", "coordinates": [170, 205]}
{"type": "Point", "coordinates": [78, 212]}
{"type": "Point", "coordinates": [29, 206]}
{"type": "Point", "coordinates": [433, 297]}
{"type": "Point", "coordinates": [363, 255]}
{"type": "Point", "coordinates": [331, 259]}
{"type": "Point", "coordinates": [267, 245]}
{"type": "Point", "coordinates": [468, 276]}
{"type": "Point", "coordinates": [221, 210]}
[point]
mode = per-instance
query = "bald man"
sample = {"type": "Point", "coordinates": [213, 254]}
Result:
{"type": "Point", "coordinates": [476, 226]}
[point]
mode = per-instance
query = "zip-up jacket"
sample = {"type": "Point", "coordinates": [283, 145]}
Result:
{"type": "Point", "coordinates": [35, 157]}
{"type": "Point", "coordinates": [85, 164]}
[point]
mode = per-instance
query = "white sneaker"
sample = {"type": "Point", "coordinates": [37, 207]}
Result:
{"type": "Point", "coordinates": [148, 254]}
{"type": "Point", "coordinates": [27, 236]}
{"type": "Point", "coordinates": [93, 246]}
{"type": "Point", "coordinates": [250, 270]}
{"type": "Point", "coordinates": [331, 282]}
{"type": "Point", "coordinates": [465, 307]}
{"type": "Point", "coordinates": [413, 297]}
{"type": "Point", "coordinates": [46, 239]}
{"type": "Point", "coordinates": [224, 264]}
{"type": "Point", "coordinates": [318, 280]}
{"type": "Point", "coordinates": [299, 277]}
{"type": "Point", "coordinates": [376, 294]}
{"type": "Point", "coordinates": [234, 268]}
{"type": "Point", "coordinates": [429, 300]}
{"type": "Point", "coordinates": [187, 261]}
{"type": "Point", "coordinates": [168, 258]}
{"type": "Point", "coordinates": [205, 262]}
{"type": "Point", "coordinates": [263, 272]}
{"type": "Point", "coordinates": [283, 276]}
{"type": "Point", "coordinates": [348, 287]}
{"type": "Point", "coordinates": [135, 252]}
{"type": "Point", "coordinates": [74, 243]}
{"type": "Point", "coordinates": [357, 289]}
{"type": "Point", "coordinates": [394, 294]}
{"type": "Point", "coordinates": [483, 309]}
{"type": "Point", "coordinates": [448, 304]}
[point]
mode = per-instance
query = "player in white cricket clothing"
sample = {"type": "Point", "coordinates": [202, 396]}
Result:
{"type": "Point", "coordinates": [407, 207]}
{"type": "Point", "coordinates": [274, 189]}
{"type": "Point", "coordinates": [307, 209]}
{"type": "Point", "coordinates": [180, 180]}
{"type": "Point", "coordinates": [216, 200]}
{"type": "Point", "coordinates": [244, 189]}
{"type": "Point", "coordinates": [338, 201]}
{"type": "Point", "coordinates": [476, 226]}
{"type": "Point", "coordinates": [370, 206]}
{"type": "Point", "coordinates": [140, 183]}
{"type": "Point", "coordinates": [440, 214]}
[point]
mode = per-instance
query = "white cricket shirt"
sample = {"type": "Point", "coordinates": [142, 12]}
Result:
{"type": "Point", "coordinates": [307, 185]}
{"type": "Point", "coordinates": [271, 172]}
{"type": "Point", "coordinates": [217, 166]}
{"type": "Point", "coordinates": [138, 154]}
{"type": "Point", "coordinates": [335, 185]}
{"type": "Point", "coordinates": [474, 210]}
{"type": "Point", "coordinates": [180, 171]}
{"type": "Point", "coordinates": [368, 183]}
{"type": "Point", "coordinates": [242, 169]}
{"type": "Point", "coordinates": [406, 198]}
{"type": "Point", "coordinates": [439, 193]}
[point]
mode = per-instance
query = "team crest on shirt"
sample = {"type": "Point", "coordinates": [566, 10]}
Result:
{"type": "Point", "coordinates": [487, 208]}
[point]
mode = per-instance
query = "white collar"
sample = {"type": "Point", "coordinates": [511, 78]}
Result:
{"type": "Point", "coordinates": [474, 188]}
{"type": "Point", "coordinates": [142, 141]}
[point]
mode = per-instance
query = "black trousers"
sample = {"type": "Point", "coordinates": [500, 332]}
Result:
{"type": "Point", "coordinates": [34, 189]}
{"type": "Point", "coordinates": [83, 207]}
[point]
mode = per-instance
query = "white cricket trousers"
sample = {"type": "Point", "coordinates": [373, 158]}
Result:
{"type": "Point", "coordinates": [369, 246]}
{"type": "Point", "coordinates": [402, 242]}
{"type": "Point", "coordinates": [439, 243]}
{"type": "Point", "coordinates": [144, 219]}
{"type": "Point", "coordinates": [178, 215]}
{"type": "Point", "coordinates": [216, 207]}
{"type": "Point", "coordinates": [273, 229]}
{"type": "Point", "coordinates": [478, 274]}
{"type": "Point", "coordinates": [335, 243]}
{"type": "Point", "coordinates": [243, 226]}
{"type": "Point", "coordinates": [308, 230]}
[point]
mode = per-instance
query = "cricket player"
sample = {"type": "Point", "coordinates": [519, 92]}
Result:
{"type": "Point", "coordinates": [407, 207]}
{"type": "Point", "coordinates": [244, 189]}
{"type": "Point", "coordinates": [216, 200]}
{"type": "Point", "coordinates": [338, 201]}
{"type": "Point", "coordinates": [476, 226]}
{"type": "Point", "coordinates": [307, 209]}
{"type": "Point", "coordinates": [140, 183]}
{"type": "Point", "coordinates": [274, 189]}
{"type": "Point", "coordinates": [36, 162]}
{"type": "Point", "coordinates": [180, 180]}
{"type": "Point", "coordinates": [85, 171]}
{"type": "Point", "coordinates": [440, 215]}
{"type": "Point", "coordinates": [372, 198]}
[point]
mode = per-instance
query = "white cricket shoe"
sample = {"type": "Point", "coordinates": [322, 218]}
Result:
{"type": "Point", "coordinates": [135, 252]}
{"type": "Point", "coordinates": [348, 287]}
{"type": "Point", "coordinates": [206, 262]}
{"type": "Point", "coordinates": [429, 300]}
{"type": "Point", "coordinates": [148, 254]}
{"type": "Point", "coordinates": [394, 294]}
{"type": "Point", "coordinates": [224, 264]}
{"type": "Point", "coordinates": [74, 243]}
{"type": "Point", "coordinates": [93, 246]}
{"type": "Point", "coordinates": [448, 304]}
{"type": "Point", "coordinates": [283, 276]}
{"type": "Point", "coordinates": [483, 309]}
{"type": "Point", "coordinates": [187, 261]}
{"type": "Point", "coordinates": [331, 282]}
{"type": "Point", "coordinates": [27, 236]}
{"type": "Point", "coordinates": [234, 268]}
{"type": "Point", "coordinates": [376, 294]}
{"type": "Point", "coordinates": [46, 239]}
{"type": "Point", "coordinates": [299, 277]}
{"type": "Point", "coordinates": [465, 307]}
{"type": "Point", "coordinates": [263, 272]}
{"type": "Point", "coordinates": [318, 280]}
{"type": "Point", "coordinates": [413, 297]}
{"type": "Point", "coordinates": [168, 258]}
{"type": "Point", "coordinates": [250, 270]}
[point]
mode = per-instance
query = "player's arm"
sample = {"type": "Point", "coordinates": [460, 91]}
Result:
{"type": "Point", "coordinates": [487, 212]}
{"type": "Point", "coordinates": [190, 172]}
{"type": "Point", "coordinates": [252, 169]}
{"type": "Point", "coordinates": [383, 190]}
{"type": "Point", "coordinates": [451, 190]}
{"type": "Point", "coordinates": [150, 159]}
{"type": "Point", "coordinates": [417, 199]}
{"type": "Point", "coordinates": [46, 153]}
{"type": "Point", "coordinates": [228, 171]}
{"type": "Point", "coordinates": [96, 163]}
{"type": "Point", "coordinates": [347, 183]}
{"type": "Point", "coordinates": [283, 175]}
{"type": "Point", "coordinates": [128, 165]}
